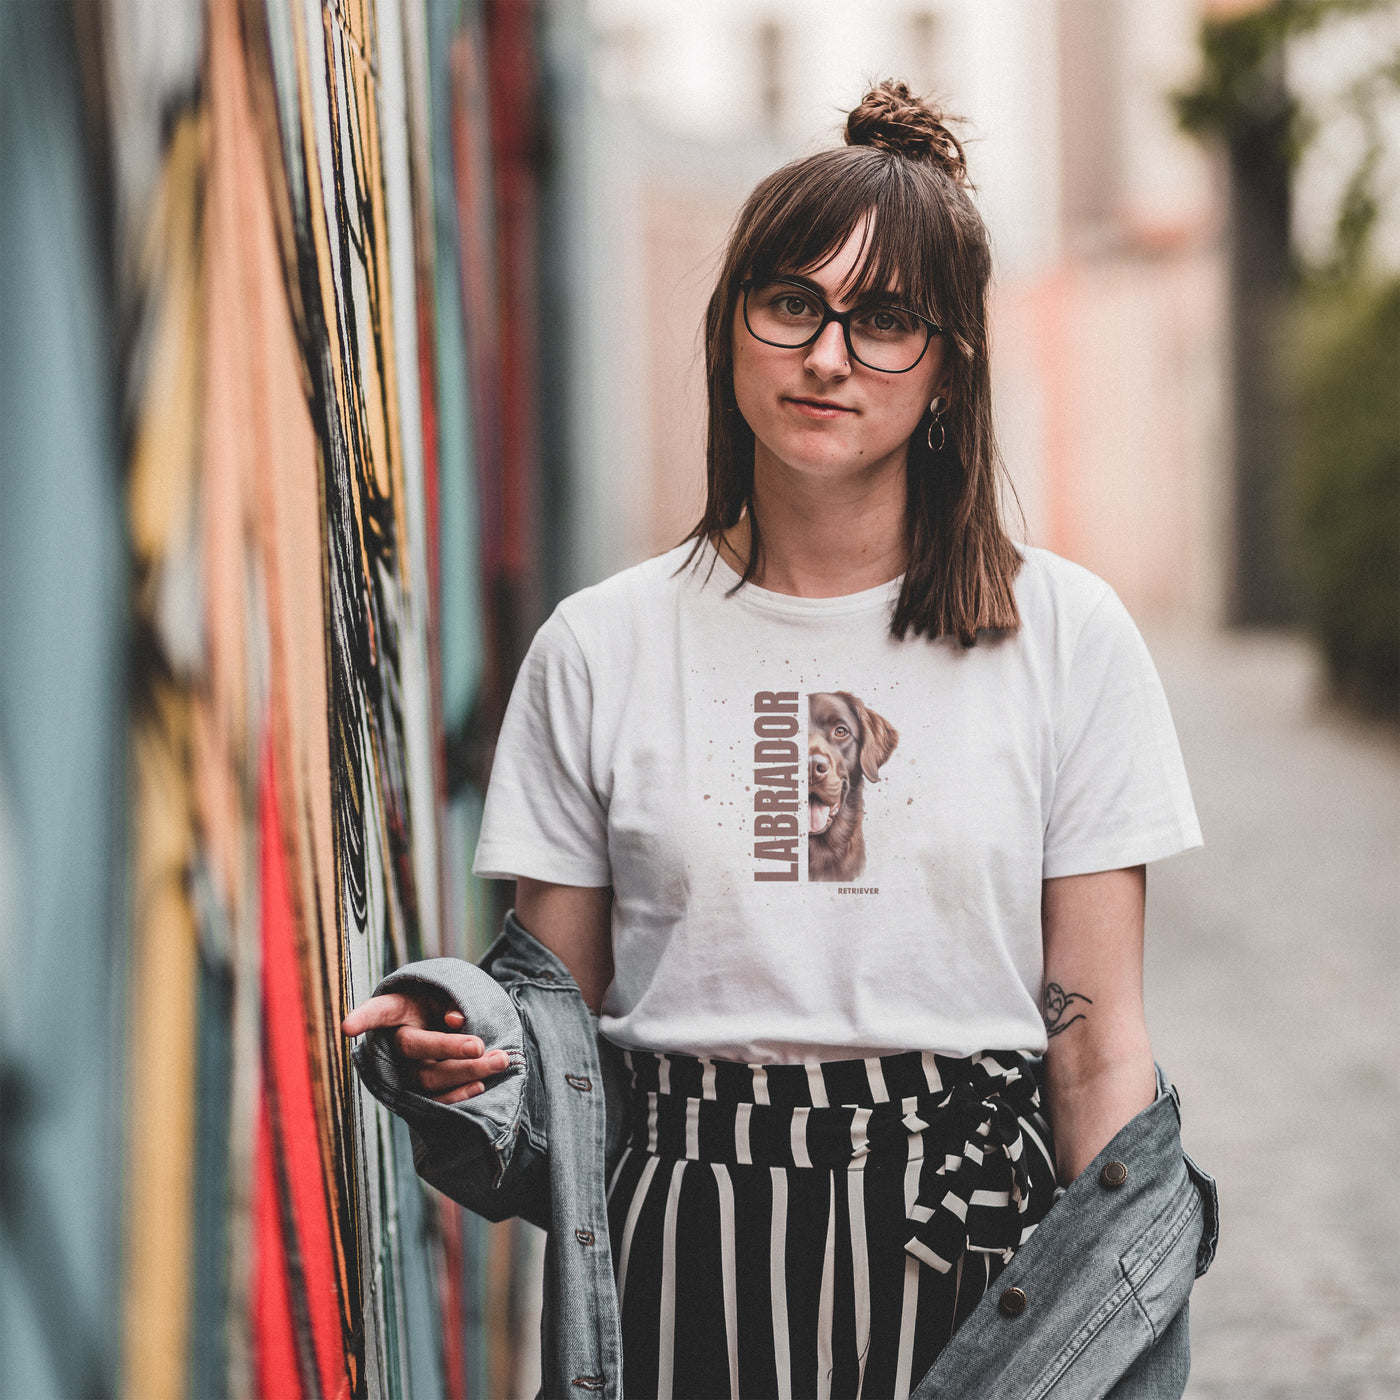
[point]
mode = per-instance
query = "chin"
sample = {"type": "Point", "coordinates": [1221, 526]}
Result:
{"type": "Point", "coordinates": [828, 459]}
{"type": "Point", "coordinates": [817, 464]}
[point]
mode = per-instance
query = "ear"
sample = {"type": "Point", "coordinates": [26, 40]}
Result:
{"type": "Point", "coordinates": [943, 385]}
{"type": "Point", "coordinates": [878, 741]}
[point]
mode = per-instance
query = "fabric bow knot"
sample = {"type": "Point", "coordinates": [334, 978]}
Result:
{"type": "Point", "coordinates": [974, 1195]}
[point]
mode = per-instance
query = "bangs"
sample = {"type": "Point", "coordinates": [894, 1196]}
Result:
{"type": "Point", "coordinates": [811, 208]}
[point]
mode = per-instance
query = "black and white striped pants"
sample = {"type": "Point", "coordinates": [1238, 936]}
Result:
{"type": "Point", "coordinates": [817, 1230]}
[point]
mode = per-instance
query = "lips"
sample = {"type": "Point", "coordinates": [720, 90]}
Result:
{"type": "Point", "coordinates": [819, 408]}
{"type": "Point", "coordinates": [819, 815]}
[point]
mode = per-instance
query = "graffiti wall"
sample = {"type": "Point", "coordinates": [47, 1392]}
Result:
{"type": "Point", "coordinates": [321, 347]}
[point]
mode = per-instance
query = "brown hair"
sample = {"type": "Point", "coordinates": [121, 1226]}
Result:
{"type": "Point", "coordinates": [902, 164]}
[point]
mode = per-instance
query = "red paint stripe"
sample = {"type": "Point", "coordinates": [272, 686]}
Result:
{"type": "Point", "coordinates": [287, 1065]}
{"type": "Point", "coordinates": [453, 1299]}
{"type": "Point", "coordinates": [274, 1343]}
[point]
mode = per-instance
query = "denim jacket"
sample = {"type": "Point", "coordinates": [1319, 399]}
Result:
{"type": "Point", "coordinates": [1093, 1304]}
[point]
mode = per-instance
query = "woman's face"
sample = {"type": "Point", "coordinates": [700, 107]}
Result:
{"type": "Point", "coordinates": [818, 412]}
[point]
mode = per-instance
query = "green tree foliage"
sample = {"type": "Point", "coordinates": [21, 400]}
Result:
{"type": "Point", "coordinates": [1239, 56]}
{"type": "Point", "coordinates": [1345, 480]}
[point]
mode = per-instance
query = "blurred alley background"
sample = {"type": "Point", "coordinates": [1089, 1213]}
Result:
{"type": "Point", "coordinates": [341, 338]}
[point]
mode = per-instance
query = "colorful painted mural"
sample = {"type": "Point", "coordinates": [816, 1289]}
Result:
{"type": "Point", "coordinates": [317, 265]}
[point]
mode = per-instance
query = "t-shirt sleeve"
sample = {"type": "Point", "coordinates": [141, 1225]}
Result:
{"type": "Point", "coordinates": [1121, 796]}
{"type": "Point", "coordinates": [544, 818]}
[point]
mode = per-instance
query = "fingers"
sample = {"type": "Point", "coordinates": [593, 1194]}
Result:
{"type": "Point", "coordinates": [442, 1076]}
{"type": "Point", "coordinates": [389, 1009]}
{"type": "Point", "coordinates": [415, 1044]}
{"type": "Point", "coordinates": [447, 1065]}
{"type": "Point", "coordinates": [467, 1091]}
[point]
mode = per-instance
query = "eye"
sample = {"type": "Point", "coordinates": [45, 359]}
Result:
{"type": "Point", "coordinates": [886, 321]}
{"type": "Point", "coordinates": [841, 732]}
{"type": "Point", "coordinates": [790, 304]}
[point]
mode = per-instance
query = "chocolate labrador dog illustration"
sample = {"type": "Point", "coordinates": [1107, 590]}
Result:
{"type": "Point", "coordinates": [846, 746]}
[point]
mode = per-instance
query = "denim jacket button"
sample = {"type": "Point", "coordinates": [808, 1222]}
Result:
{"type": "Point", "coordinates": [588, 1382]}
{"type": "Point", "coordinates": [1113, 1175]}
{"type": "Point", "coordinates": [1013, 1302]}
{"type": "Point", "coordinates": [584, 1236]}
{"type": "Point", "coordinates": [581, 1082]}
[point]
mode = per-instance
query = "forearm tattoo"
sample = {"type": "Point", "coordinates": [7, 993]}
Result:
{"type": "Point", "coordinates": [1060, 1012]}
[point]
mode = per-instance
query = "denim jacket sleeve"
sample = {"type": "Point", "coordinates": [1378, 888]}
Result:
{"type": "Point", "coordinates": [492, 1152]}
{"type": "Point", "coordinates": [1099, 1291]}
{"type": "Point", "coordinates": [489, 1152]}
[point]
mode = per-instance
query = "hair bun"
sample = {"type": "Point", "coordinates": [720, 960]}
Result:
{"type": "Point", "coordinates": [890, 118]}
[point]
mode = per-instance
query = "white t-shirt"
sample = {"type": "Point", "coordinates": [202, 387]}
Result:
{"type": "Point", "coordinates": [662, 738]}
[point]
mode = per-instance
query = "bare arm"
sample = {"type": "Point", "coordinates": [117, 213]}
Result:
{"type": "Point", "coordinates": [575, 923]}
{"type": "Point", "coordinates": [1098, 1067]}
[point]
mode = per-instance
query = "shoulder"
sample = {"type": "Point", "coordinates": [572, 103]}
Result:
{"type": "Point", "coordinates": [1070, 613]}
{"type": "Point", "coordinates": [1063, 604]}
{"type": "Point", "coordinates": [1051, 585]}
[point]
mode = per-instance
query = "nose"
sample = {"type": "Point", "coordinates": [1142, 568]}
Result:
{"type": "Point", "coordinates": [818, 765]}
{"type": "Point", "coordinates": [826, 356]}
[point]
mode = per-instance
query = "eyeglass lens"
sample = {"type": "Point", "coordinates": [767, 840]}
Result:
{"type": "Point", "coordinates": [881, 337]}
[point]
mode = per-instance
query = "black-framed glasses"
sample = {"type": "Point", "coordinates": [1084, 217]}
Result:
{"type": "Point", "coordinates": [791, 314]}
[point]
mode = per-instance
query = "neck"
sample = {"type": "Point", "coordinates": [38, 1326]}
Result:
{"type": "Point", "coordinates": [824, 538]}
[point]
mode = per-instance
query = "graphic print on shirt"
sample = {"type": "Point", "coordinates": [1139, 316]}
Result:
{"type": "Point", "coordinates": [847, 745]}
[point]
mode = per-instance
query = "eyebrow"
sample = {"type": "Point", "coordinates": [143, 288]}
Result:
{"type": "Point", "coordinates": [866, 298]}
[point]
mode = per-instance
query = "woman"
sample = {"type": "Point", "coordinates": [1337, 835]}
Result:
{"type": "Point", "coordinates": [833, 1001]}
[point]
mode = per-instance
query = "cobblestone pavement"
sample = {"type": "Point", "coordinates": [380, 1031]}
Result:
{"type": "Point", "coordinates": [1273, 985]}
